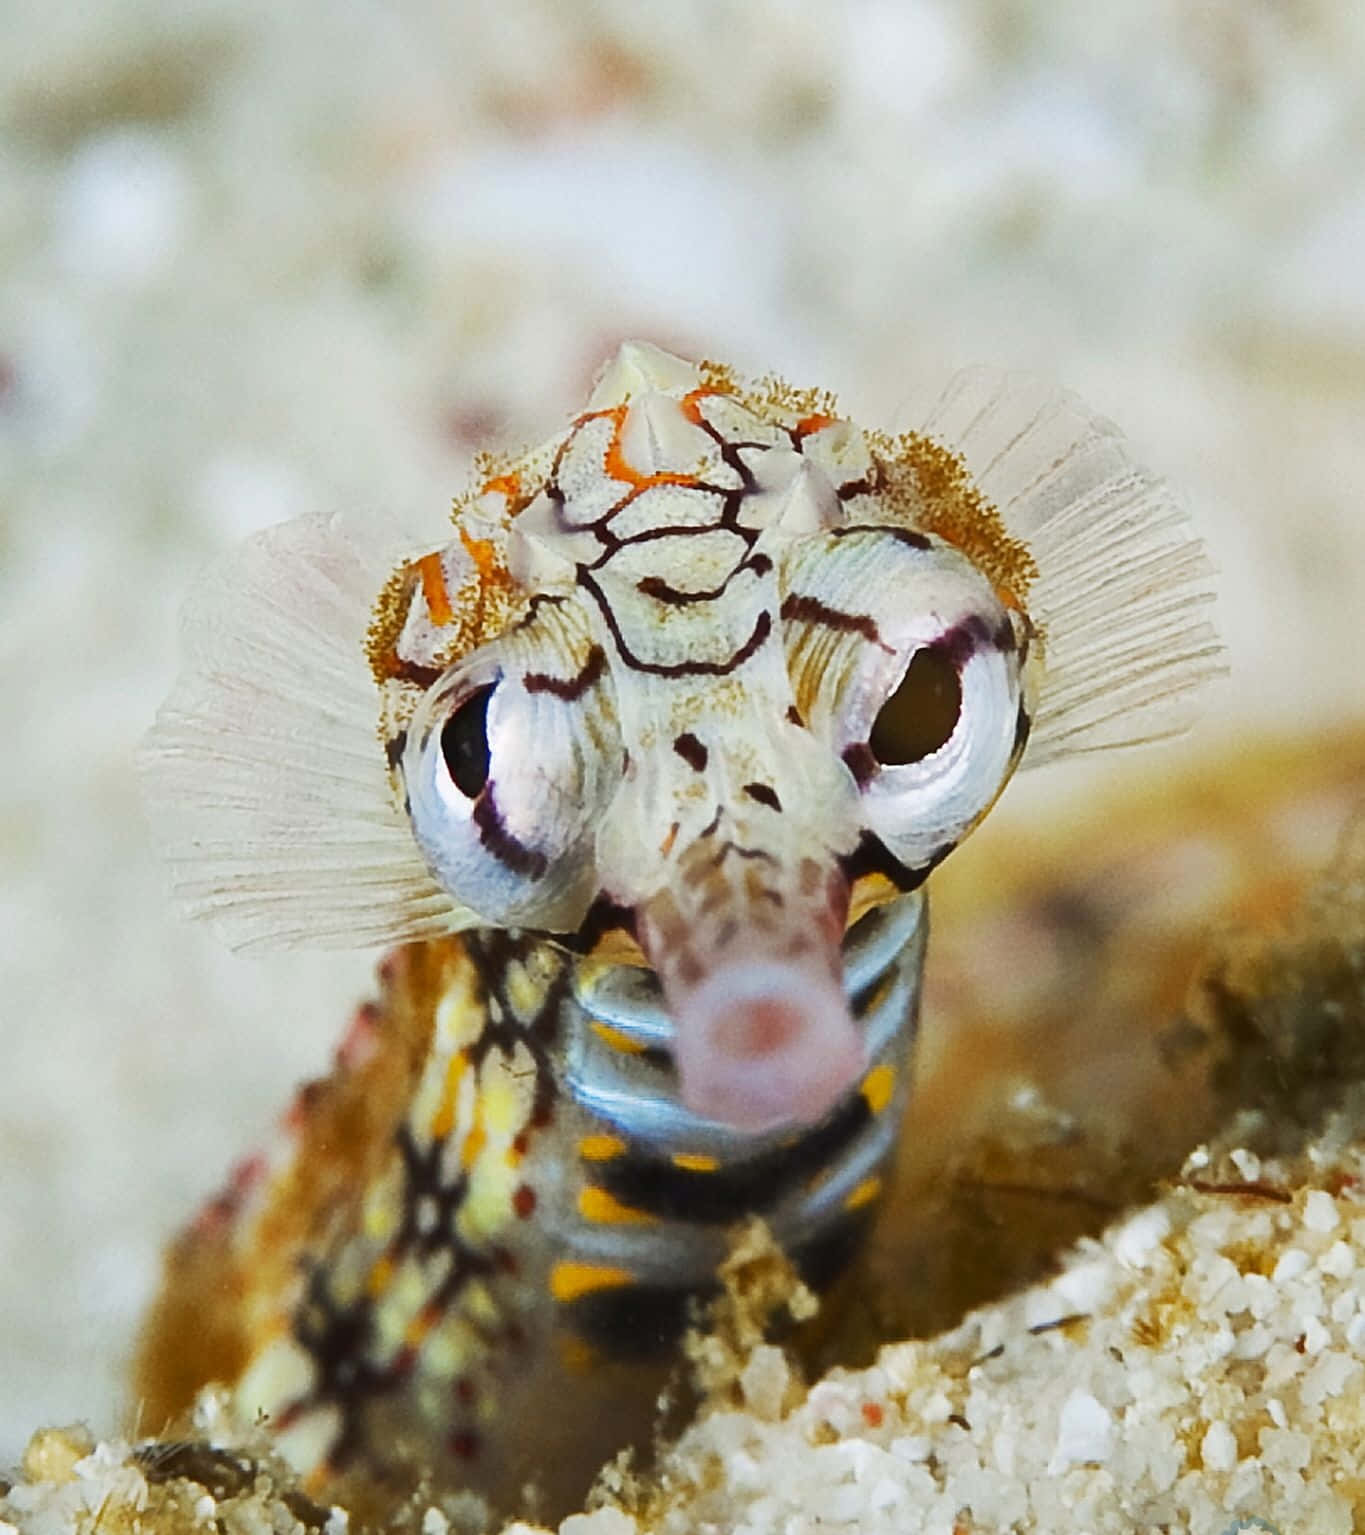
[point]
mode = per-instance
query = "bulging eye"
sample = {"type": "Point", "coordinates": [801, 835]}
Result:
{"type": "Point", "coordinates": [507, 775]}
{"type": "Point", "coordinates": [464, 744]}
{"type": "Point", "coordinates": [945, 738]}
{"type": "Point", "coordinates": [904, 658]}
{"type": "Point", "coordinates": [922, 713]}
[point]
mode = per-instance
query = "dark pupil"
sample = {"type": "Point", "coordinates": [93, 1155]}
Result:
{"type": "Point", "coordinates": [921, 714]}
{"type": "Point", "coordinates": [464, 743]}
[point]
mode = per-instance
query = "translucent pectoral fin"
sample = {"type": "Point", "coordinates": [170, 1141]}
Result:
{"type": "Point", "coordinates": [263, 776]}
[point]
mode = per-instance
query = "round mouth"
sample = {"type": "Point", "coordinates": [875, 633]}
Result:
{"type": "Point", "coordinates": [762, 1042]}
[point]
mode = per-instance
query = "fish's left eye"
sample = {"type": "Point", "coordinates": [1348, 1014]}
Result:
{"type": "Point", "coordinates": [922, 713]}
{"type": "Point", "coordinates": [905, 658]}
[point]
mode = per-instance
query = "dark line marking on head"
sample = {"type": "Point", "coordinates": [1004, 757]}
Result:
{"type": "Point", "coordinates": [507, 849]}
{"type": "Point", "coordinates": [660, 590]}
{"type": "Point", "coordinates": [569, 688]}
{"type": "Point", "coordinates": [762, 628]}
{"type": "Point", "coordinates": [692, 751]}
{"type": "Point", "coordinates": [907, 536]}
{"type": "Point", "coordinates": [794, 716]}
{"type": "Point", "coordinates": [765, 794]}
{"type": "Point", "coordinates": [866, 485]}
{"type": "Point", "coordinates": [804, 608]}
{"type": "Point", "coordinates": [1022, 725]}
{"type": "Point", "coordinates": [760, 854]}
{"type": "Point", "coordinates": [394, 748]}
{"type": "Point", "coordinates": [414, 672]}
{"type": "Point", "coordinates": [973, 633]}
{"type": "Point", "coordinates": [860, 760]}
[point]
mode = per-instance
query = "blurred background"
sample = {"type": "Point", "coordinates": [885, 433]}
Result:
{"type": "Point", "coordinates": [261, 259]}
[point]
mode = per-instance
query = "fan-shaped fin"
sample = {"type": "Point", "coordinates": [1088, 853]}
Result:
{"type": "Point", "coordinates": [1122, 590]}
{"type": "Point", "coordinates": [264, 776]}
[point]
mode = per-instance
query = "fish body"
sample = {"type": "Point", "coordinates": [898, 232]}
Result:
{"type": "Point", "coordinates": [645, 768]}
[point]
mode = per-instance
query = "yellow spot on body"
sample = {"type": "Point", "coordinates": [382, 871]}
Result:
{"type": "Point", "coordinates": [380, 1276]}
{"type": "Point", "coordinates": [443, 1121]}
{"type": "Point", "coordinates": [488, 1206]}
{"type": "Point", "coordinates": [601, 1148]}
{"type": "Point", "coordinates": [596, 1204]}
{"type": "Point", "coordinates": [569, 1281]}
{"type": "Point", "coordinates": [479, 1303]}
{"type": "Point", "coordinates": [477, 1137]}
{"type": "Point", "coordinates": [281, 1372]}
{"type": "Point", "coordinates": [383, 1208]}
{"type": "Point", "coordinates": [417, 1329]}
{"type": "Point", "coordinates": [864, 1194]}
{"type": "Point", "coordinates": [507, 1085]}
{"type": "Point", "coordinates": [452, 1348]}
{"type": "Point", "coordinates": [305, 1444]}
{"type": "Point", "coordinates": [459, 1020]}
{"type": "Point", "coordinates": [502, 1106]}
{"type": "Point", "coordinates": [695, 1161]}
{"type": "Point", "coordinates": [617, 1040]}
{"type": "Point", "coordinates": [878, 1085]}
{"type": "Point", "coordinates": [524, 991]}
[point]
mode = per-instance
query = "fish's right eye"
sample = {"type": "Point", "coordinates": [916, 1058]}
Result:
{"type": "Point", "coordinates": [464, 743]}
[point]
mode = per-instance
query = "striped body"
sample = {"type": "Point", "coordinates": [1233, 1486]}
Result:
{"type": "Point", "coordinates": [538, 1207]}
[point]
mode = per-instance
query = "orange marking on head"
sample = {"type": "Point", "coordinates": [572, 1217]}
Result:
{"type": "Point", "coordinates": [813, 423]}
{"type": "Point", "coordinates": [690, 404]}
{"type": "Point", "coordinates": [508, 486]}
{"type": "Point", "coordinates": [614, 461]}
{"type": "Point", "coordinates": [484, 555]}
{"type": "Point", "coordinates": [434, 589]}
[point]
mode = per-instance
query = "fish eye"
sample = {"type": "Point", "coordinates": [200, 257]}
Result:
{"type": "Point", "coordinates": [920, 716]}
{"type": "Point", "coordinates": [907, 661]}
{"type": "Point", "coordinates": [507, 773]}
{"type": "Point", "coordinates": [464, 743]}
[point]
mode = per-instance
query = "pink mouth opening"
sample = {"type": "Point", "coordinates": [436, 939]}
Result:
{"type": "Point", "coordinates": [762, 1043]}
